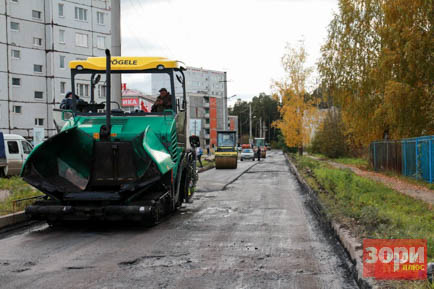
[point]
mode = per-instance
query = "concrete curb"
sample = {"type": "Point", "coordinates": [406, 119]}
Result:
{"type": "Point", "coordinates": [12, 219]}
{"type": "Point", "coordinates": [350, 244]}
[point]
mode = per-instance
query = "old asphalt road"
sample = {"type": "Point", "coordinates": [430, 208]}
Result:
{"type": "Point", "coordinates": [254, 233]}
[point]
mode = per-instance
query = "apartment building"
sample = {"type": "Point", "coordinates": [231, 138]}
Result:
{"type": "Point", "coordinates": [206, 98]}
{"type": "Point", "coordinates": [38, 38]}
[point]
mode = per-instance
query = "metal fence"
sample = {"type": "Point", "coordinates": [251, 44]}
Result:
{"type": "Point", "coordinates": [386, 155]}
{"type": "Point", "coordinates": [413, 157]}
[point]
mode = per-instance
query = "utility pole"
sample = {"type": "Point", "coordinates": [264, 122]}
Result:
{"type": "Point", "coordinates": [240, 124]}
{"type": "Point", "coordinates": [225, 104]}
{"type": "Point", "coordinates": [116, 48]}
{"type": "Point", "coordinates": [250, 123]}
{"type": "Point", "coordinates": [264, 129]}
{"type": "Point", "coordinates": [269, 131]}
{"type": "Point", "coordinates": [260, 126]}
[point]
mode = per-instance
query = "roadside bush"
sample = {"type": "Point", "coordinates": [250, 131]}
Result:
{"type": "Point", "coordinates": [330, 138]}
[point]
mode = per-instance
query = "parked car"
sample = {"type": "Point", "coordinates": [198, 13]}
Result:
{"type": "Point", "coordinates": [247, 154]}
{"type": "Point", "coordinates": [14, 150]}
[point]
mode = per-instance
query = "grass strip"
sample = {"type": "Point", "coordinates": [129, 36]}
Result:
{"type": "Point", "coordinates": [18, 190]}
{"type": "Point", "coordinates": [371, 209]}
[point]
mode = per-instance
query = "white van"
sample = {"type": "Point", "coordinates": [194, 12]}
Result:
{"type": "Point", "coordinates": [13, 153]}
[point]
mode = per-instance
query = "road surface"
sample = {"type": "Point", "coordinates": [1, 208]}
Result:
{"type": "Point", "coordinates": [247, 228]}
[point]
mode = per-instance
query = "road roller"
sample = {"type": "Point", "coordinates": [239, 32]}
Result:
{"type": "Point", "coordinates": [226, 156]}
{"type": "Point", "coordinates": [111, 164]}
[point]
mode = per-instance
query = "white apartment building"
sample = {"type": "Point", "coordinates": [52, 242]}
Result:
{"type": "Point", "coordinates": [38, 38]}
{"type": "Point", "coordinates": [205, 93]}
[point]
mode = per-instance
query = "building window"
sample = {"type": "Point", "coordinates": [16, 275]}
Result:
{"type": "Point", "coordinates": [81, 39]}
{"type": "Point", "coordinates": [100, 18]}
{"type": "Point", "coordinates": [62, 87]}
{"type": "Point", "coordinates": [15, 1]}
{"type": "Point", "coordinates": [82, 90]}
{"type": "Point", "coordinates": [39, 121]}
{"type": "Point", "coordinates": [39, 94]}
{"type": "Point", "coordinates": [101, 91]}
{"type": "Point", "coordinates": [37, 41]}
{"type": "Point", "coordinates": [60, 9]}
{"type": "Point", "coordinates": [62, 36]}
{"type": "Point", "coordinates": [16, 81]}
{"type": "Point", "coordinates": [37, 68]}
{"type": "Point", "coordinates": [16, 108]}
{"type": "Point", "coordinates": [100, 42]}
{"type": "Point", "coordinates": [15, 26]}
{"type": "Point", "coordinates": [36, 14]}
{"type": "Point", "coordinates": [16, 54]}
{"type": "Point", "coordinates": [62, 61]}
{"type": "Point", "coordinates": [80, 14]}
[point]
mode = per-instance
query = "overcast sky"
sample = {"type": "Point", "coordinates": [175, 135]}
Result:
{"type": "Point", "coordinates": [246, 38]}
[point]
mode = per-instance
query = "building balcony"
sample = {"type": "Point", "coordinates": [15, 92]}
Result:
{"type": "Point", "coordinates": [206, 115]}
{"type": "Point", "coordinates": [206, 125]}
{"type": "Point", "coordinates": [206, 136]}
{"type": "Point", "coordinates": [206, 104]}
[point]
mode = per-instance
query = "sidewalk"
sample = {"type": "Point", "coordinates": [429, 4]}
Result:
{"type": "Point", "coordinates": [407, 188]}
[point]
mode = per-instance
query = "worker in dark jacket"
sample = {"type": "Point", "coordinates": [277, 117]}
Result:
{"type": "Point", "coordinates": [164, 101]}
{"type": "Point", "coordinates": [258, 152]}
{"type": "Point", "coordinates": [67, 102]}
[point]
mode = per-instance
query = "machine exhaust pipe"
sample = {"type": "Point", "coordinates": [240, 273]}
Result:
{"type": "Point", "coordinates": [106, 130]}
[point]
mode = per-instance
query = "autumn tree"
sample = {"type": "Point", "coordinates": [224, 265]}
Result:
{"type": "Point", "coordinates": [297, 109]}
{"type": "Point", "coordinates": [376, 65]}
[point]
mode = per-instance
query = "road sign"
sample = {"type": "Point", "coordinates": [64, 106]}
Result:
{"type": "Point", "coordinates": [130, 101]}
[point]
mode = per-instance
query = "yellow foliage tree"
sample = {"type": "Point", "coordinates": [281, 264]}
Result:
{"type": "Point", "coordinates": [297, 108]}
{"type": "Point", "coordinates": [377, 67]}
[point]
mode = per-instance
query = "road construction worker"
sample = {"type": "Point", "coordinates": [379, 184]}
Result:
{"type": "Point", "coordinates": [199, 153]}
{"type": "Point", "coordinates": [164, 101]}
{"type": "Point", "coordinates": [258, 152]}
{"type": "Point", "coordinates": [67, 102]}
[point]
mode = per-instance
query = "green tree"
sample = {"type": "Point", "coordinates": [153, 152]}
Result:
{"type": "Point", "coordinates": [330, 138]}
{"type": "Point", "coordinates": [263, 107]}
